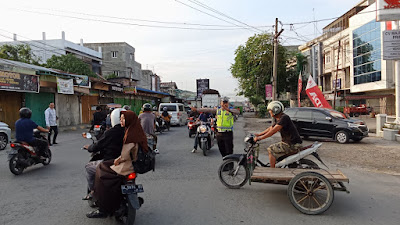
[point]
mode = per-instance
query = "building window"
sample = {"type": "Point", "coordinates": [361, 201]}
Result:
{"type": "Point", "coordinates": [116, 72]}
{"type": "Point", "coordinates": [131, 56]}
{"type": "Point", "coordinates": [367, 53]}
{"type": "Point", "coordinates": [114, 54]}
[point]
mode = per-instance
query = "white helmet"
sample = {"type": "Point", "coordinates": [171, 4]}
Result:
{"type": "Point", "coordinates": [276, 107]}
{"type": "Point", "coordinates": [115, 116]}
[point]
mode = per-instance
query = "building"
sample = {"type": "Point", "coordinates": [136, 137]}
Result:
{"type": "Point", "coordinates": [349, 56]}
{"type": "Point", "coordinates": [146, 79]}
{"type": "Point", "coordinates": [118, 60]}
{"type": "Point", "coordinates": [169, 87]}
{"type": "Point", "coordinates": [45, 49]}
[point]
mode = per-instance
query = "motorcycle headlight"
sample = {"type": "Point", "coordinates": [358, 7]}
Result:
{"type": "Point", "coordinates": [203, 129]}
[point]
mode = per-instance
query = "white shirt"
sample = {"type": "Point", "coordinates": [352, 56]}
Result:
{"type": "Point", "coordinates": [51, 117]}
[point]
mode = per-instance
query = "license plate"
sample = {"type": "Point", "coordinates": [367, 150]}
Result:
{"type": "Point", "coordinates": [96, 128]}
{"type": "Point", "coordinates": [131, 189]}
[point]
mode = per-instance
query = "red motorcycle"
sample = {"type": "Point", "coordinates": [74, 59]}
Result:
{"type": "Point", "coordinates": [22, 155]}
{"type": "Point", "coordinates": [192, 126]}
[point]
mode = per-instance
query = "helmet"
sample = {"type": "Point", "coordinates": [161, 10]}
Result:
{"type": "Point", "coordinates": [126, 107]}
{"type": "Point", "coordinates": [115, 116]}
{"type": "Point", "coordinates": [25, 113]}
{"type": "Point", "coordinates": [165, 109]}
{"type": "Point", "coordinates": [276, 107]}
{"type": "Point", "coordinates": [147, 107]}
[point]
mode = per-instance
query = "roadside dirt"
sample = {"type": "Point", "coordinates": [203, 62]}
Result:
{"type": "Point", "coordinates": [372, 153]}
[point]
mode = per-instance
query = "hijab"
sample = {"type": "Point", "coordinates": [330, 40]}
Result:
{"type": "Point", "coordinates": [133, 130]}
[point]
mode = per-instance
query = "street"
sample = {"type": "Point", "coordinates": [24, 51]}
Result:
{"type": "Point", "coordinates": [184, 189]}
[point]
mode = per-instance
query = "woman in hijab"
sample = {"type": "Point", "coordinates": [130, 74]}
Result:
{"type": "Point", "coordinates": [110, 174]}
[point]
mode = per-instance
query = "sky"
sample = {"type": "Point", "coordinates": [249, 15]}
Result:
{"type": "Point", "coordinates": [179, 55]}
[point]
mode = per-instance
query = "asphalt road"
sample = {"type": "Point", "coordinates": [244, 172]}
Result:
{"type": "Point", "coordinates": [184, 189]}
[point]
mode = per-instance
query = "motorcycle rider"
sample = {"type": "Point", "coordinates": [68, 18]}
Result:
{"type": "Point", "coordinates": [98, 117]}
{"type": "Point", "coordinates": [291, 141]}
{"type": "Point", "coordinates": [148, 122]}
{"type": "Point", "coordinates": [204, 117]}
{"type": "Point", "coordinates": [165, 115]}
{"type": "Point", "coordinates": [109, 146]}
{"type": "Point", "coordinates": [24, 131]}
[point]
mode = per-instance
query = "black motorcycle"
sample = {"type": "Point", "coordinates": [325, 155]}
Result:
{"type": "Point", "coordinates": [23, 155]}
{"type": "Point", "coordinates": [205, 137]}
{"type": "Point", "coordinates": [160, 125]}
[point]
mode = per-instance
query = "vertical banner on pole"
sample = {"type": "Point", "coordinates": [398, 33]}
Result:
{"type": "Point", "coordinates": [268, 92]}
{"type": "Point", "coordinates": [299, 89]}
{"type": "Point", "coordinates": [315, 94]}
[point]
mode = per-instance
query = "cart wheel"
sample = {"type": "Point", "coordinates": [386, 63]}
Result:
{"type": "Point", "coordinates": [311, 193]}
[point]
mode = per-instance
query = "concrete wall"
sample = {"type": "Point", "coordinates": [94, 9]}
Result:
{"type": "Point", "coordinates": [68, 110]}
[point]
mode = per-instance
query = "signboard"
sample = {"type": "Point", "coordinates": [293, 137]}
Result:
{"type": "Point", "coordinates": [299, 89]}
{"type": "Point", "coordinates": [387, 10]}
{"type": "Point", "coordinates": [315, 94]}
{"type": "Point", "coordinates": [338, 84]}
{"type": "Point", "coordinates": [65, 86]}
{"type": "Point", "coordinates": [391, 45]}
{"type": "Point", "coordinates": [130, 90]}
{"type": "Point", "coordinates": [81, 80]}
{"type": "Point", "coordinates": [268, 92]}
{"type": "Point", "coordinates": [117, 88]}
{"type": "Point", "coordinates": [202, 85]}
{"type": "Point", "coordinates": [11, 81]}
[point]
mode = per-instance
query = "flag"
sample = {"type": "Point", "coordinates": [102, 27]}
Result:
{"type": "Point", "coordinates": [299, 88]}
{"type": "Point", "coordinates": [315, 94]}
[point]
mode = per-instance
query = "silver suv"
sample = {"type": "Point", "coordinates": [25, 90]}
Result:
{"type": "Point", "coordinates": [5, 135]}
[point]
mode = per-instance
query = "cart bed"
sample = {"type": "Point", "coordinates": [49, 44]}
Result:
{"type": "Point", "coordinates": [284, 175]}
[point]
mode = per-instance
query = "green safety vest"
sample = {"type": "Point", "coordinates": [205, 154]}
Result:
{"type": "Point", "coordinates": [224, 121]}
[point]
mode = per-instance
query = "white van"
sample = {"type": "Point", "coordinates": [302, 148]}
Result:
{"type": "Point", "coordinates": [177, 111]}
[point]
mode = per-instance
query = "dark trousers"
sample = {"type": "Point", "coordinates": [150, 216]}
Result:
{"type": "Point", "coordinates": [225, 143]}
{"type": "Point", "coordinates": [55, 129]}
{"type": "Point", "coordinates": [40, 144]}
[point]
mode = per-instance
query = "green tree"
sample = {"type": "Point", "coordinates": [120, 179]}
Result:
{"type": "Point", "coordinates": [21, 53]}
{"type": "Point", "coordinates": [253, 67]}
{"type": "Point", "coordinates": [71, 64]}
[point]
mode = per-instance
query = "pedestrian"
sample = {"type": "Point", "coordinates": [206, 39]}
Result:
{"type": "Point", "coordinates": [225, 117]}
{"type": "Point", "coordinates": [51, 122]}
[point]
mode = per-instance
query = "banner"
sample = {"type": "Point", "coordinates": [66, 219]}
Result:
{"type": "Point", "coordinates": [268, 92]}
{"type": "Point", "coordinates": [315, 94]}
{"type": "Point", "coordinates": [202, 85]}
{"type": "Point", "coordinates": [130, 90]}
{"type": "Point", "coordinates": [299, 89]}
{"type": "Point", "coordinates": [65, 86]}
{"type": "Point", "coordinates": [11, 81]}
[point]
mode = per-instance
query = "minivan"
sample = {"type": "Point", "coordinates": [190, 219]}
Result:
{"type": "Point", "coordinates": [177, 111]}
{"type": "Point", "coordinates": [321, 122]}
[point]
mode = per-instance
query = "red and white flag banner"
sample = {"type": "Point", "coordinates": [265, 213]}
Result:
{"type": "Point", "coordinates": [315, 94]}
{"type": "Point", "coordinates": [299, 89]}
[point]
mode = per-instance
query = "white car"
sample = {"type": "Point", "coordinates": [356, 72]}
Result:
{"type": "Point", "coordinates": [177, 111]}
{"type": "Point", "coordinates": [5, 135]}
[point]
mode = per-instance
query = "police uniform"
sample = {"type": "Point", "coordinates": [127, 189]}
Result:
{"type": "Point", "coordinates": [225, 132]}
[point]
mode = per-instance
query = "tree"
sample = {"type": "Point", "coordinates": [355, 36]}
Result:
{"type": "Point", "coordinates": [21, 53]}
{"type": "Point", "coordinates": [71, 64]}
{"type": "Point", "coordinates": [253, 67]}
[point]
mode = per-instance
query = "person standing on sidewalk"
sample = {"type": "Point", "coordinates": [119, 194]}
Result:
{"type": "Point", "coordinates": [225, 117]}
{"type": "Point", "coordinates": [51, 122]}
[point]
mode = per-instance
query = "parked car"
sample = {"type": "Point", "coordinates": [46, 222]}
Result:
{"type": "Point", "coordinates": [357, 110]}
{"type": "Point", "coordinates": [5, 135]}
{"type": "Point", "coordinates": [320, 122]}
{"type": "Point", "coordinates": [177, 111]}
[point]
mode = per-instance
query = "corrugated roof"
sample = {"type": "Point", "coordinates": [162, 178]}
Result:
{"type": "Point", "coordinates": [151, 91]}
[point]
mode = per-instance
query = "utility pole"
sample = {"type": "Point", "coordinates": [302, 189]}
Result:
{"type": "Point", "coordinates": [337, 71]}
{"type": "Point", "coordinates": [275, 70]}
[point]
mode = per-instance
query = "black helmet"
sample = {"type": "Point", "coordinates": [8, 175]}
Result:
{"type": "Point", "coordinates": [25, 113]}
{"type": "Point", "coordinates": [147, 107]}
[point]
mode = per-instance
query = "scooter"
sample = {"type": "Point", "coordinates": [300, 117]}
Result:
{"type": "Point", "coordinates": [160, 125]}
{"type": "Point", "coordinates": [23, 155]}
{"type": "Point", "coordinates": [205, 137]}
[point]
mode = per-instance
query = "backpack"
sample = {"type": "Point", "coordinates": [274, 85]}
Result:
{"type": "Point", "coordinates": [145, 162]}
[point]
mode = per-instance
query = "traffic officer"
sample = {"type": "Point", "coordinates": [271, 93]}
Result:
{"type": "Point", "coordinates": [225, 117]}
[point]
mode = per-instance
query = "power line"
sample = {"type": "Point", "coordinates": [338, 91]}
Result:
{"type": "Point", "coordinates": [211, 15]}
{"type": "Point", "coordinates": [222, 14]}
{"type": "Point", "coordinates": [133, 24]}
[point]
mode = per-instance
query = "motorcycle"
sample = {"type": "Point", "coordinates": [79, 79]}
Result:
{"type": "Point", "coordinates": [98, 130]}
{"type": "Point", "coordinates": [23, 155]}
{"type": "Point", "coordinates": [238, 167]}
{"type": "Point", "coordinates": [192, 126]}
{"type": "Point", "coordinates": [205, 137]}
{"type": "Point", "coordinates": [160, 125]}
{"type": "Point", "coordinates": [95, 156]}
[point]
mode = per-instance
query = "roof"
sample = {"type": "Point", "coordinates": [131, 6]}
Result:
{"type": "Point", "coordinates": [211, 91]}
{"type": "Point", "coordinates": [151, 91]}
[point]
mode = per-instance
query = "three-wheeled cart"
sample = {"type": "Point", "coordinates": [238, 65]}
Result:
{"type": "Point", "coordinates": [311, 191]}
